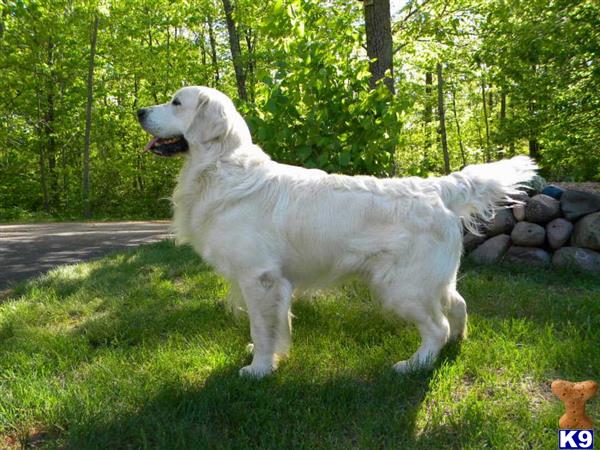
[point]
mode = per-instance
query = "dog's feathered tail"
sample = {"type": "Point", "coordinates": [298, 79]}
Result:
{"type": "Point", "coordinates": [475, 192]}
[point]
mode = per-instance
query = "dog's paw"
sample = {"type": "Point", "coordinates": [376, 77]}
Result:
{"type": "Point", "coordinates": [408, 366]}
{"type": "Point", "coordinates": [404, 366]}
{"type": "Point", "coordinates": [257, 372]}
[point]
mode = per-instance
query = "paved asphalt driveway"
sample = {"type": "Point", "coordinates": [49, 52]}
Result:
{"type": "Point", "coordinates": [27, 250]}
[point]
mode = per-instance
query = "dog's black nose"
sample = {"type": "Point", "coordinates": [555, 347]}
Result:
{"type": "Point", "coordinates": [141, 113]}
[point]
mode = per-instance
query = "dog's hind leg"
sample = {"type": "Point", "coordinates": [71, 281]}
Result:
{"type": "Point", "coordinates": [423, 308]}
{"type": "Point", "coordinates": [435, 331]}
{"type": "Point", "coordinates": [268, 298]}
{"type": "Point", "coordinates": [457, 315]}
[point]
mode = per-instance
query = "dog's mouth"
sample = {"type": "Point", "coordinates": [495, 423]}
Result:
{"type": "Point", "coordinates": [167, 147]}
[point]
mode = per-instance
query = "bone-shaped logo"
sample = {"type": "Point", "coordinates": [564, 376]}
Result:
{"type": "Point", "coordinates": [574, 396]}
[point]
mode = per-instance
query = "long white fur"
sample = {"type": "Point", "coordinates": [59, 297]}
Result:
{"type": "Point", "coordinates": [271, 228]}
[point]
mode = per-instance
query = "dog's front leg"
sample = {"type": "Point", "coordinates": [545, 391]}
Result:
{"type": "Point", "coordinates": [268, 299]}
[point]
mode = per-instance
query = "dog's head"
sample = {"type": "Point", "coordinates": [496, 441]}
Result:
{"type": "Point", "coordinates": [195, 117]}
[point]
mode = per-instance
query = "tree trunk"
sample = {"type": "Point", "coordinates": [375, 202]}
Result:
{"type": "Point", "coordinates": [87, 213]}
{"type": "Point", "coordinates": [50, 151]}
{"type": "Point", "coordinates": [502, 118]}
{"type": "Point", "coordinates": [442, 116]}
{"type": "Point", "coordinates": [202, 44]}
{"type": "Point", "coordinates": [213, 50]}
{"type": "Point", "coordinates": [378, 29]}
{"type": "Point", "coordinates": [428, 113]}
{"type": "Point", "coordinates": [153, 81]}
{"type": "Point", "coordinates": [534, 148]}
{"type": "Point", "coordinates": [460, 142]}
{"type": "Point", "coordinates": [236, 53]}
{"type": "Point", "coordinates": [488, 156]}
{"type": "Point", "coordinates": [250, 39]}
{"type": "Point", "coordinates": [43, 178]}
{"type": "Point", "coordinates": [2, 19]}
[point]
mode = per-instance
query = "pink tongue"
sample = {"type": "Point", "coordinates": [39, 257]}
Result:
{"type": "Point", "coordinates": [150, 144]}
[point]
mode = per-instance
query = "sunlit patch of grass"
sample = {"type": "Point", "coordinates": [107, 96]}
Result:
{"type": "Point", "coordinates": [137, 350]}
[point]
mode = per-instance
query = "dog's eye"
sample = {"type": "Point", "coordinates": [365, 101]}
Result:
{"type": "Point", "coordinates": [176, 102]}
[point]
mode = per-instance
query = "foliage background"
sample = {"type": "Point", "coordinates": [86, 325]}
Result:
{"type": "Point", "coordinates": [516, 73]}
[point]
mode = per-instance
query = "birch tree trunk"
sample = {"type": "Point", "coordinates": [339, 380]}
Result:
{"type": "Point", "coordinates": [87, 213]}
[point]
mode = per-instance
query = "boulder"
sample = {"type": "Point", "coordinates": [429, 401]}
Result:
{"type": "Point", "coordinates": [587, 232]}
{"type": "Point", "coordinates": [519, 212]}
{"type": "Point", "coordinates": [491, 250]}
{"type": "Point", "coordinates": [578, 258]}
{"type": "Point", "coordinates": [502, 223]}
{"type": "Point", "coordinates": [553, 191]}
{"type": "Point", "coordinates": [576, 204]}
{"type": "Point", "coordinates": [558, 232]}
{"type": "Point", "coordinates": [530, 256]}
{"type": "Point", "coordinates": [528, 234]}
{"type": "Point", "coordinates": [542, 209]}
{"type": "Point", "coordinates": [471, 241]}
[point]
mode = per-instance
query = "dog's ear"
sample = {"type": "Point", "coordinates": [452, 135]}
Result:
{"type": "Point", "coordinates": [209, 123]}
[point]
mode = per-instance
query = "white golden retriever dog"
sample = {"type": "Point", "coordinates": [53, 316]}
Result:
{"type": "Point", "coordinates": [271, 228]}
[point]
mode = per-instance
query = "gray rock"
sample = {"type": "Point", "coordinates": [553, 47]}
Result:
{"type": "Point", "coordinates": [528, 234]}
{"type": "Point", "coordinates": [558, 232]}
{"type": "Point", "coordinates": [502, 223]}
{"type": "Point", "coordinates": [576, 204]}
{"type": "Point", "coordinates": [542, 208]}
{"type": "Point", "coordinates": [491, 250]}
{"type": "Point", "coordinates": [577, 258]}
{"type": "Point", "coordinates": [530, 256]}
{"type": "Point", "coordinates": [471, 241]}
{"type": "Point", "coordinates": [587, 232]}
{"type": "Point", "coordinates": [519, 212]}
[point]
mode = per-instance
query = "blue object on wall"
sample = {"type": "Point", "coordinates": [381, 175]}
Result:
{"type": "Point", "coordinates": [553, 191]}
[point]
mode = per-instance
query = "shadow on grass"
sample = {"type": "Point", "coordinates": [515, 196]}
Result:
{"type": "Point", "coordinates": [228, 411]}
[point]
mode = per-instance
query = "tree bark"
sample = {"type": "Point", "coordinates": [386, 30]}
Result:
{"type": "Point", "coordinates": [213, 50]}
{"type": "Point", "coordinates": [236, 53]}
{"type": "Point", "coordinates": [378, 30]}
{"type": "Point", "coordinates": [442, 116]}
{"type": "Point", "coordinates": [460, 142]}
{"type": "Point", "coordinates": [87, 213]}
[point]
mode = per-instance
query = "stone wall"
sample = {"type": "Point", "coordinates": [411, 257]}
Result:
{"type": "Point", "coordinates": [554, 227]}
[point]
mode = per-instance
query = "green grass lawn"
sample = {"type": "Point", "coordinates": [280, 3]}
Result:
{"type": "Point", "coordinates": [136, 350]}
